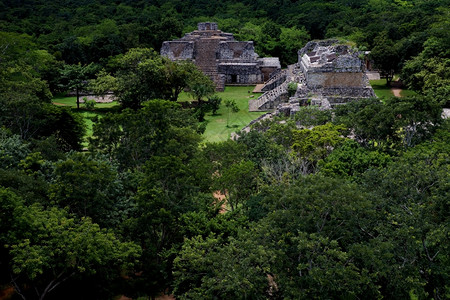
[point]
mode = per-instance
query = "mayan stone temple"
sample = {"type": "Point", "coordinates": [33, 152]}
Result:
{"type": "Point", "coordinates": [221, 57]}
{"type": "Point", "coordinates": [328, 73]}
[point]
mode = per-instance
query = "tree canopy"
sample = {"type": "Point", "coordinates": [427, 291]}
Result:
{"type": "Point", "coordinates": [345, 203]}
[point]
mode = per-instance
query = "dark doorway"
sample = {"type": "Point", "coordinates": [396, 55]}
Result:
{"type": "Point", "coordinates": [233, 78]}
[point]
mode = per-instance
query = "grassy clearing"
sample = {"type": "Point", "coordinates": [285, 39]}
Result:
{"type": "Point", "coordinates": [72, 102]}
{"type": "Point", "coordinates": [88, 115]}
{"type": "Point", "coordinates": [381, 89]}
{"type": "Point", "coordinates": [216, 129]}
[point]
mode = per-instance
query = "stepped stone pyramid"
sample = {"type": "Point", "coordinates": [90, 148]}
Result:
{"type": "Point", "coordinates": [221, 57]}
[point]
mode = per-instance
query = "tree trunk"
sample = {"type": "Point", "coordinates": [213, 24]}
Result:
{"type": "Point", "coordinates": [78, 98]}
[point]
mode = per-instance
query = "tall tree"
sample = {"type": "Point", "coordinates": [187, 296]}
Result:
{"type": "Point", "coordinates": [49, 247]}
{"type": "Point", "coordinates": [385, 56]}
{"type": "Point", "coordinates": [75, 77]}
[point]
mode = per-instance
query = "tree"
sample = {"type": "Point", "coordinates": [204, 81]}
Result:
{"type": "Point", "coordinates": [207, 268]}
{"type": "Point", "coordinates": [371, 122]}
{"type": "Point", "coordinates": [291, 40]}
{"type": "Point", "coordinates": [428, 76]}
{"type": "Point", "coordinates": [140, 77]}
{"type": "Point", "coordinates": [22, 68]}
{"type": "Point", "coordinates": [214, 103]}
{"type": "Point", "coordinates": [182, 75]}
{"type": "Point", "coordinates": [315, 144]}
{"type": "Point", "coordinates": [312, 116]}
{"type": "Point", "coordinates": [412, 195]}
{"type": "Point", "coordinates": [350, 159]}
{"type": "Point", "coordinates": [29, 118]}
{"type": "Point", "coordinates": [76, 77]}
{"type": "Point", "coordinates": [237, 183]}
{"type": "Point", "coordinates": [385, 56]}
{"type": "Point", "coordinates": [12, 149]}
{"type": "Point", "coordinates": [48, 247]}
{"type": "Point", "coordinates": [159, 128]}
{"type": "Point", "coordinates": [89, 187]}
{"type": "Point", "coordinates": [142, 74]}
{"type": "Point", "coordinates": [231, 108]}
{"type": "Point", "coordinates": [417, 117]}
{"type": "Point", "coordinates": [200, 86]}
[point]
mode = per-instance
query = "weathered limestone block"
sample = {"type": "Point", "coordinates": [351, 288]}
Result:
{"type": "Point", "coordinates": [236, 50]}
{"type": "Point", "coordinates": [207, 26]}
{"type": "Point", "coordinates": [178, 50]}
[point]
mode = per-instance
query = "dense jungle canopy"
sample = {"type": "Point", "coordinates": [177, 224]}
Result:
{"type": "Point", "coordinates": [346, 204]}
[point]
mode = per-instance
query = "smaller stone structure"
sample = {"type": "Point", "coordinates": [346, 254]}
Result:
{"type": "Point", "coordinates": [221, 57]}
{"type": "Point", "coordinates": [328, 73]}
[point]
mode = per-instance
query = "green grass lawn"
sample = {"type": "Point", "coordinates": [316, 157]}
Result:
{"type": "Point", "coordinates": [216, 129]}
{"type": "Point", "coordinates": [88, 115]}
{"type": "Point", "coordinates": [381, 89]}
{"type": "Point", "coordinates": [72, 102]}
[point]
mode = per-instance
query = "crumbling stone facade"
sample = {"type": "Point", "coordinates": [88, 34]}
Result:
{"type": "Point", "coordinates": [221, 57]}
{"type": "Point", "coordinates": [328, 73]}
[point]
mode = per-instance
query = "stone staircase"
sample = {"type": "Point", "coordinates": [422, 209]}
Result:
{"type": "Point", "coordinates": [206, 61]}
{"type": "Point", "coordinates": [269, 99]}
{"type": "Point", "coordinates": [275, 81]}
{"type": "Point", "coordinates": [278, 94]}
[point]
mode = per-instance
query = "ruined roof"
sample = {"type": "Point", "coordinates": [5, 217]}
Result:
{"type": "Point", "coordinates": [272, 62]}
{"type": "Point", "coordinates": [329, 56]}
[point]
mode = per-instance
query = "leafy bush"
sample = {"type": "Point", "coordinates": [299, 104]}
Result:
{"type": "Point", "coordinates": [292, 88]}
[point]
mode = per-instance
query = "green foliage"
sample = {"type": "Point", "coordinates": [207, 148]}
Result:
{"type": "Point", "coordinates": [428, 76]}
{"type": "Point", "coordinates": [22, 66]}
{"type": "Point", "coordinates": [291, 40]}
{"type": "Point", "coordinates": [312, 116]}
{"type": "Point", "coordinates": [48, 247]}
{"type": "Point", "coordinates": [32, 119]}
{"type": "Point", "coordinates": [237, 182]}
{"type": "Point", "coordinates": [385, 56]}
{"type": "Point", "coordinates": [214, 103]}
{"type": "Point", "coordinates": [317, 143]}
{"type": "Point", "coordinates": [231, 108]}
{"type": "Point", "coordinates": [90, 187]}
{"type": "Point", "coordinates": [239, 267]}
{"type": "Point", "coordinates": [292, 88]}
{"type": "Point", "coordinates": [350, 159]}
{"type": "Point", "coordinates": [89, 104]}
{"type": "Point", "coordinates": [141, 75]}
{"type": "Point", "coordinates": [12, 150]}
{"type": "Point", "coordinates": [378, 229]}
{"type": "Point", "coordinates": [200, 86]}
{"type": "Point", "coordinates": [159, 128]}
{"type": "Point", "coordinates": [75, 77]}
{"type": "Point", "coordinates": [395, 123]}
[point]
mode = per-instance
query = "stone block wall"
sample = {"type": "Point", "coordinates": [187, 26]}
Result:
{"type": "Point", "coordinates": [267, 71]}
{"type": "Point", "coordinates": [236, 50]}
{"type": "Point", "coordinates": [207, 26]}
{"type": "Point", "coordinates": [241, 73]}
{"type": "Point", "coordinates": [331, 79]}
{"type": "Point", "coordinates": [178, 50]}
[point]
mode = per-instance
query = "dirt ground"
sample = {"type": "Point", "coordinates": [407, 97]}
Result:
{"type": "Point", "coordinates": [219, 196]}
{"type": "Point", "coordinates": [396, 88]}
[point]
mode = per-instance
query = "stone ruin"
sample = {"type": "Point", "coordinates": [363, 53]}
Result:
{"type": "Point", "coordinates": [328, 73]}
{"type": "Point", "coordinates": [221, 57]}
